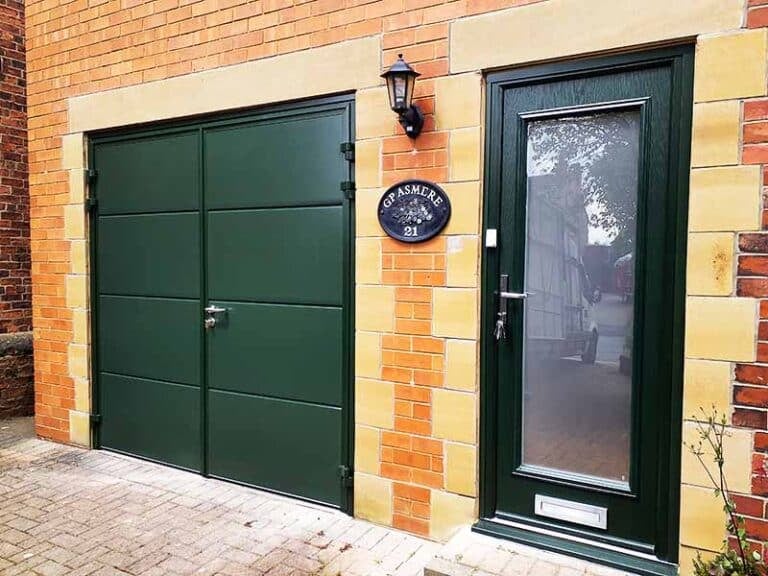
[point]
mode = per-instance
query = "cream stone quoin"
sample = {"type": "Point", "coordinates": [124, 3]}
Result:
{"type": "Point", "coordinates": [730, 66]}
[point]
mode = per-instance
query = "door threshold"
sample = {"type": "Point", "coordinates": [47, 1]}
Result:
{"type": "Point", "coordinates": [600, 553]}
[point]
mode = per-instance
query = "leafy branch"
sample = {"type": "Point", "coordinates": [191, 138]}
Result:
{"type": "Point", "coordinates": [712, 431]}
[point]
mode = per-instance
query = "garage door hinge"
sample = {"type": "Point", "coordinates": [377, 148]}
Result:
{"type": "Point", "coordinates": [348, 149]}
{"type": "Point", "coordinates": [90, 202]}
{"type": "Point", "coordinates": [348, 187]}
{"type": "Point", "coordinates": [95, 419]}
{"type": "Point", "coordinates": [345, 473]}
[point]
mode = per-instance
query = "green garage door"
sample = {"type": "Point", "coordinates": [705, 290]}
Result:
{"type": "Point", "coordinates": [223, 297]}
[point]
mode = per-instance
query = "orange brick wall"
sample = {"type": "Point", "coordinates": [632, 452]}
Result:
{"type": "Point", "coordinates": [414, 361]}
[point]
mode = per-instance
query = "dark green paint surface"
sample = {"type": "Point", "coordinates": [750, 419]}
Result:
{"type": "Point", "coordinates": [150, 174]}
{"type": "Point", "coordinates": [244, 212]}
{"type": "Point", "coordinates": [644, 517]}
{"type": "Point", "coordinates": [155, 419]}
{"type": "Point", "coordinates": [281, 351]}
{"type": "Point", "coordinates": [150, 254]}
{"type": "Point", "coordinates": [284, 160]}
{"type": "Point", "coordinates": [150, 337]}
{"type": "Point", "coordinates": [285, 446]}
{"type": "Point", "coordinates": [285, 255]}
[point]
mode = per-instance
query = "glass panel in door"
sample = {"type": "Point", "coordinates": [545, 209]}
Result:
{"type": "Point", "coordinates": [582, 182]}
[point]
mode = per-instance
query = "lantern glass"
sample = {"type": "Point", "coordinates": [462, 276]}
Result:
{"type": "Point", "coordinates": [411, 84]}
{"type": "Point", "coordinates": [400, 88]}
{"type": "Point", "coordinates": [400, 91]}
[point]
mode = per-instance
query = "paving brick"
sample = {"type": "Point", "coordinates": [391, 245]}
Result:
{"type": "Point", "coordinates": [469, 553]}
{"type": "Point", "coordinates": [74, 512]}
{"type": "Point", "coordinates": [115, 515]}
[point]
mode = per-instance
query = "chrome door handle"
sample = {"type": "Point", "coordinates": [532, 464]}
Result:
{"type": "Point", "coordinates": [514, 295]}
{"type": "Point", "coordinates": [500, 328]}
{"type": "Point", "coordinates": [210, 316]}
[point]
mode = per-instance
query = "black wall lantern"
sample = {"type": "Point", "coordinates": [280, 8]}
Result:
{"type": "Point", "coordinates": [401, 79]}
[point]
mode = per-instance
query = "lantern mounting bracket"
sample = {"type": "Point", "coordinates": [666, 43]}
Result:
{"type": "Point", "coordinates": [412, 121]}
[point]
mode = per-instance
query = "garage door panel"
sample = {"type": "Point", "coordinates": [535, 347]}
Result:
{"type": "Point", "coordinates": [152, 174]}
{"type": "Point", "coordinates": [283, 161]}
{"type": "Point", "coordinates": [247, 213]}
{"type": "Point", "coordinates": [292, 352]}
{"type": "Point", "coordinates": [154, 338]}
{"type": "Point", "coordinates": [152, 419]}
{"type": "Point", "coordinates": [150, 254]}
{"type": "Point", "coordinates": [290, 255]}
{"type": "Point", "coordinates": [280, 445]}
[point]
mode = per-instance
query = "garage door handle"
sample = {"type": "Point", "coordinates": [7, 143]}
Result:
{"type": "Point", "coordinates": [210, 316]}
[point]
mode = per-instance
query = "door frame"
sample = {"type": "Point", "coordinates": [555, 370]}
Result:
{"type": "Point", "coordinates": [345, 102]}
{"type": "Point", "coordinates": [680, 59]}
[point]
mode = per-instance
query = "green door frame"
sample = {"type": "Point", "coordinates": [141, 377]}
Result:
{"type": "Point", "coordinates": [680, 61]}
{"type": "Point", "coordinates": [345, 102]}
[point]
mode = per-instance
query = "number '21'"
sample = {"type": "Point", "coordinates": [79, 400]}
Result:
{"type": "Point", "coordinates": [411, 231]}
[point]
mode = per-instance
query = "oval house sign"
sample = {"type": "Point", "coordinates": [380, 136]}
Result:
{"type": "Point", "coordinates": [414, 210]}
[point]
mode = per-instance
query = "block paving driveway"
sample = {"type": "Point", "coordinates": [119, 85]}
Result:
{"type": "Point", "coordinates": [77, 512]}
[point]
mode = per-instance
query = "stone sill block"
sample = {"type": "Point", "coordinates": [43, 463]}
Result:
{"type": "Point", "coordinates": [15, 344]}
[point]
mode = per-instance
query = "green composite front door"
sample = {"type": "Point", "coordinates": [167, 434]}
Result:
{"type": "Point", "coordinates": [583, 305]}
{"type": "Point", "coordinates": [223, 262]}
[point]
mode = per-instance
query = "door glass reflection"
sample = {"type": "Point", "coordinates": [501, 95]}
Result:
{"type": "Point", "coordinates": [580, 258]}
